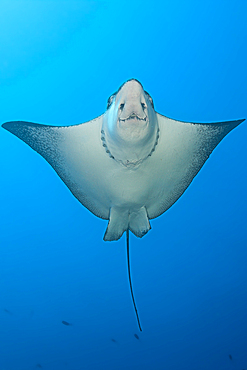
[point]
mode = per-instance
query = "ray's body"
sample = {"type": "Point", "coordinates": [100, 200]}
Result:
{"type": "Point", "coordinates": [128, 165]}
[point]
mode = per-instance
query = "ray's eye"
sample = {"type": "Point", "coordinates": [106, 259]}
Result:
{"type": "Point", "coordinates": [143, 106]}
{"type": "Point", "coordinates": [121, 106]}
{"type": "Point", "coordinates": [150, 99]}
{"type": "Point", "coordinates": [110, 100]}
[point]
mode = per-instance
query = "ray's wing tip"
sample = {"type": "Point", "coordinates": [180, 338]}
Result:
{"type": "Point", "coordinates": [232, 123]}
{"type": "Point", "coordinates": [14, 126]}
{"type": "Point", "coordinates": [9, 124]}
{"type": "Point", "coordinates": [238, 121]}
{"type": "Point", "coordinates": [5, 125]}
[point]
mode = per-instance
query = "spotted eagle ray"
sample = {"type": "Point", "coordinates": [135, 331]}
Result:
{"type": "Point", "coordinates": [128, 165]}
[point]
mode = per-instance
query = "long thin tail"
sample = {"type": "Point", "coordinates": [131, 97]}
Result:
{"type": "Point", "coordinates": [132, 294]}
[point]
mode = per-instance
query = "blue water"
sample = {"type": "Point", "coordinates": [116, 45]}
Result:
{"type": "Point", "coordinates": [59, 62]}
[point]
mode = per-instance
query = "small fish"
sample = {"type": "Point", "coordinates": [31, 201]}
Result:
{"type": "Point", "coordinates": [136, 336]}
{"type": "Point", "coordinates": [66, 323]}
{"type": "Point", "coordinates": [230, 357]}
{"type": "Point", "coordinates": [39, 366]}
{"type": "Point", "coordinates": [113, 340]}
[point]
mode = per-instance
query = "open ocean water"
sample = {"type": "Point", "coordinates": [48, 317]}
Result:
{"type": "Point", "coordinates": [59, 63]}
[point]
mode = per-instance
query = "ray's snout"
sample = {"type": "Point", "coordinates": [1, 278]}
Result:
{"type": "Point", "coordinates": [132, 103]}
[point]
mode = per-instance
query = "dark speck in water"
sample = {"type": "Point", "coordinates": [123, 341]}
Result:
{"type": "Point", "coordinates": [136, 336]}
{"type": "Point", "coordinates": [39, 366]}
{"type": "Point", "coordinates": [7, 311]}
{"type": "Point", "coordinates": [66, 323]}
{"type": "Point", "coordinates": [113, 340]}
{"type": "Point", "coordinates": [230, 357]}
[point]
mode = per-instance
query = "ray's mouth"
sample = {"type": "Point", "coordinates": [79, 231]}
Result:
{"type": "Point", "coordinates": [133, 116]}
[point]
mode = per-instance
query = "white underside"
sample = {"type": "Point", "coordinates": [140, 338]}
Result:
{"type": "Point", "coordinates": [128, 196]}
